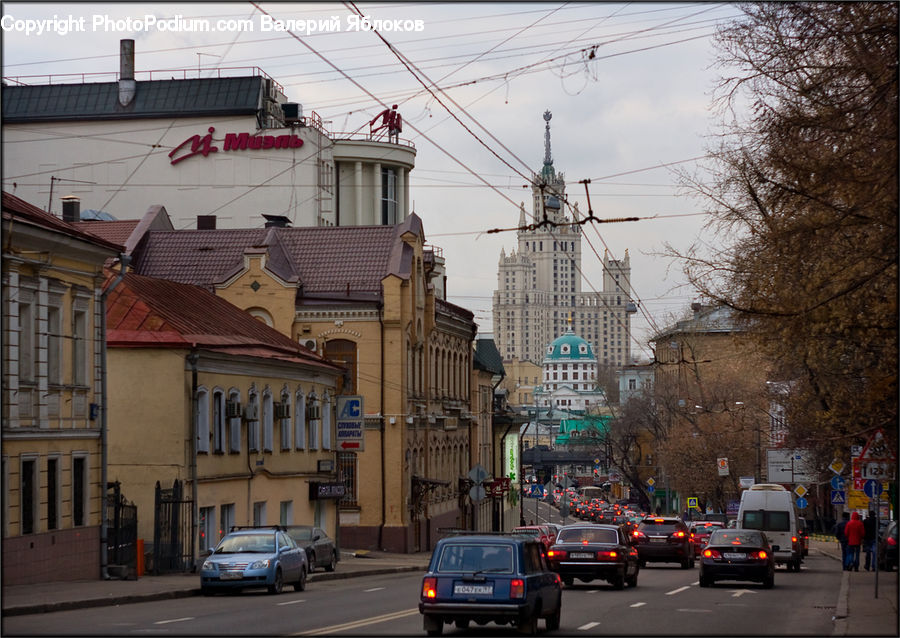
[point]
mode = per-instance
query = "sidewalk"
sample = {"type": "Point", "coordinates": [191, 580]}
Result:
{"type": "Point", "coordinates": [57, 596]}
{"type": "Point", "coordinates": [858, 612]}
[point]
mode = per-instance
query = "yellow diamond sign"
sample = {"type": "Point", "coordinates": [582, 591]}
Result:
{"type": "Point", "coordinates": [836, 466]}
{"type": "Point", "coordinates": [800, 490]}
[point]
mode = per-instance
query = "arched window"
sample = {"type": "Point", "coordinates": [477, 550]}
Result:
{"type": "Point", "coordinates": [233, 414]}
{"type": "Point", "coordinates": [300, 421]}
{"type": "Point", "coordinates": [253, 420]}
{"type": "Point", "coordinates": [202, 421]}
{"type": "Point", "coordinates": [326, 422]}
{"type": "Point", "coordinates": [218, 421]}
{"type": "Point", "coordinates": [314, 420]}
{"type": "Point", "coordinates": [343, 352]}
{"type": "Point", "coordinates": [268, 421]}
{"type": "Point", "coordinates": [284, 420]}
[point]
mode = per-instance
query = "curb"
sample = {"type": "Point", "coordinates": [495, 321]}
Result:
{"type": "Point", "coordinates": [841, 621]}
{"type": "Point", "coordinates": [112, 601]}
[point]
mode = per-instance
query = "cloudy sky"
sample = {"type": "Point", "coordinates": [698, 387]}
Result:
{"type": "Point", "coordinates": [629, 86]}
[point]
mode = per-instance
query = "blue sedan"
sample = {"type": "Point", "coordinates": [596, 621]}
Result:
{"type": "Point", "coordinates": [254, 557]}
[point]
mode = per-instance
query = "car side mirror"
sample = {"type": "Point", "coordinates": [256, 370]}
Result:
{"type": "Point", "coordinates": [316, 537]}
{"type": "Point", "coordinates": [208, 551]}
{"type": "Point", "coordinates": [775, 548]}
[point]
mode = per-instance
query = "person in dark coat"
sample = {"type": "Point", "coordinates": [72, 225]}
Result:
{"type": "Point", "coordinates": [839, 535]}
{"type": "Point", "coordinates": [869, 539]}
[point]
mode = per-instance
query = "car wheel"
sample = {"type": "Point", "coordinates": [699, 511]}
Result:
{"type": "Point", "coordinates": [769, 582]}
{"type": "Point", "coordinates": [568, 581]}
{"type": "Point", "coordinates": [553, 619]}
{"type": "Point", "coordinates": [300, 585]}
{"type": "Point", "coordinates": [685, 563]}
{"type": "Point", "coordinates": [642, 563]}
{"type": "Point", "coordinates": [631, 581]}
{"type": "Point", "coordinates": [332, 563]}
{"type": "Point", "coordinates": [432, 625]}
{"type": "Point", "coordinates": [278, 586]}
{"type": "Point", "coordinates": [462, 624]}
{"type": "Point", "coordinates": [311, 559]}
{"type": "Point", "coordinates": [692, 564]}
{"type": "Point", "coordinates": [704, 581]}
{"type": "Point", "coordinates": [206, 591]}
{"type": "Point", "coordinates": [528, 626]}
{"type": "Point", "coordinates": [618, 581]}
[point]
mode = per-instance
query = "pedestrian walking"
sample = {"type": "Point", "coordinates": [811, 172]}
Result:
{"type": "Point", "coordinates": [869, 539]}
{"type": "Point", "coordinates": [855, 532]}
{"type": "Point", "coordinates": [839, 535]}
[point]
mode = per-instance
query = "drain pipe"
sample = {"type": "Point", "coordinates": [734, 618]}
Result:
{"type": "Point", "coordinates": [124, 260]}
{"type": "Point", "coordinates": [193, 358]}
{"type": "Point", "coordinates": [383, 434]}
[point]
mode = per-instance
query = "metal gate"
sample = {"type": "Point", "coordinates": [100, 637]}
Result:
{"type": "Point", "coordinates": [173, 530]}
{"type": "Point", "coordinates": [121, 528]}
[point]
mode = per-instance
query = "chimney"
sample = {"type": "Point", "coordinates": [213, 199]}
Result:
{"type": "Point", "coordinates": [276, 221]}
{"type": "Point", "coordinates": [71, 208]}
{"type": "Point", "coordinates": [206, 222]}
{"type": "Point", "coordinates": [695, 306]}
{"type": "Point", "coordinates": [127, 85]}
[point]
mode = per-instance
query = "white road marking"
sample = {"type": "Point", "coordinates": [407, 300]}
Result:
{"type": "Point", "coordinates": [593, 591]}
{"type": "Point", "coordinates": [590, 625]}
{"type": "Point", "coordinates": [358, 623]}
{"type": "Point", "coordinates": [740, 592]}
{"type": "Point", "coordinates": [696, 582]}
{"type": "Point", "coordinates": [675, 591]}
{"type": "Point", "coordinates": [373, 589]}
{"type": "Point", "coordinates": [292, 602]}
{"type": "Point", "coordinates": [638, 604]}
{"type": "Point", "coordinates": [166, 622]}
{"type": "Point", "coordinates": [696, 611]}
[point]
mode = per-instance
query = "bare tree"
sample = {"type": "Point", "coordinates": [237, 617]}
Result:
{"type": "Point", "coordinates": [802, 193]}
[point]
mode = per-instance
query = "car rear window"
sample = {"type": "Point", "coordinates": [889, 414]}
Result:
{"type": "Point", "coordinates": [471, 558]}
{"type": "Point", "coordinates": [768, 520]}
{"type": "Point", "coordinates": [588, 535]}
{"type": "Point", "coordinates": [659, 527]}
{"type": "Point", "coordinates": [728, 537]}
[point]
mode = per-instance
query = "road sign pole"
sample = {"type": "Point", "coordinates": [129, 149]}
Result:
{"type": "Point", "coordinates": [875, 549]}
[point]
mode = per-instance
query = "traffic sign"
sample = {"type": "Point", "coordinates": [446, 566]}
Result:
{"type": "Point", "coordinates": [876, 469]}
{"type": "Point", "coordinates": [802, 503]}
{"type": "Point", "coordinates": [722, 464]}
{"type": "Point", "coordinates": [651, 481]}
{"type": "Point", "coordinates": [876, 449]}
{"type": "Point", "coordinates": [651, 489]}
{"type": "Point", "coordinates": [838, 497]}
{"type": "Point", "coordinates": [692, 501]}
{"type": "Point", "coordinates": [478, 473]}
{"type": "Point", "coordinates": [477, 493]}
{"type": "Point", "coordinates": [837, 466]}
{"type": "Point", "coordinates": [872, 488]}
{"type": "Point", "coordinates": [800, 491]}
{"type": "Point", "coordinates": [838, 483]}
{"type": "Point", "coordinates": [747, 481]}
{"type": "Point", "coordinates": [349, 429]}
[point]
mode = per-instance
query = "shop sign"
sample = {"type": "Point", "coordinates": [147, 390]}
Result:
{"type": "Point", "coordinates": [197, 145]}
{"type": "Point", "coordinates": [320, 491]}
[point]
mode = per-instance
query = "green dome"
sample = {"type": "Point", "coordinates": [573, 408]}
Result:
{"type": "Point", "coordinates": [569, 347]}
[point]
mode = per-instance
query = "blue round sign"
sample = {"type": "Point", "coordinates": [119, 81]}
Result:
{"type": "Point", "coordinates": [802, 502]}
{"type": "Point", "coordinates": [651, 489]}
{"type": "Point", "coordinates": [838, 483]}
{"type": "Point", "coordinates": [872, 488]}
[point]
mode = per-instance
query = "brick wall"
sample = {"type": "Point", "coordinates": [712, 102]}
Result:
{"type": "Point", "coordinates": [70, 554]}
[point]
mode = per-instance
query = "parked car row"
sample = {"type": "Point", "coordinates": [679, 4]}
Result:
{"type": "Point", "coordinates": [271, 557]}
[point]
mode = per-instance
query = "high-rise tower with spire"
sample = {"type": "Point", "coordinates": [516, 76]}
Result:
{"type": "Point", "coordinates": [539, 285]}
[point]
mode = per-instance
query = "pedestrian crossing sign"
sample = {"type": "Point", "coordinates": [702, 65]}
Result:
{"type": "Point", "coordinates": [838, 497]}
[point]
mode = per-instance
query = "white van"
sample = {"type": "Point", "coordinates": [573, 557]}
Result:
{"type": "Point", "coordinates": [770, 508]}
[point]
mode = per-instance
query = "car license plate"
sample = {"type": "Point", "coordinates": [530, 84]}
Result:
{"type": "Point", "coordinates": [483, 590]}
{"type": "Point", "coordinates": [657, 540]}
{"type": "Point", "coordinates": [230, 575]}
{"type": "Point", "coordinates": [581, 555]}
{"type": "Point", "coordinates": [734, 556]}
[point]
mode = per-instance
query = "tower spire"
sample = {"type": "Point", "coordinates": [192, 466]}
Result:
{"type": "Point", "coordinates": [547, 173]}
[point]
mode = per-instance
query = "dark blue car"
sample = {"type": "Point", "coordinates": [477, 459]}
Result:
{"type": "Point", "coordinates": [502, 578]}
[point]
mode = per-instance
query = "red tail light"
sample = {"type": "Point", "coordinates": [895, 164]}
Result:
{"type": "Point", "coordinates": [607, 554]}
{"type": "Point", "coordinates": [556, 554]}
{"type": "Point", "coordinates": [429, 587]}
{"type": "Point", "coordinates": [891, 540]}
{"type": "Point", "coordinates": [711, 553]}
{"type": "Point", "coordinates": [517, 588]}
{"type": "Point", "coordinates": [761, 554]}
{"type": "Point", "coordinates": [678, 534]}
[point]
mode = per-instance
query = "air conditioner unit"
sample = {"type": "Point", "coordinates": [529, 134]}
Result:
{"type": "Point", "coordinates": [282, 410]}
{"type": "Point", "coordinates": [251, 412]}
{"type": "Point", "coordinates": [310, 344]}
{"type": "Point", "coordinates": [232, 409]}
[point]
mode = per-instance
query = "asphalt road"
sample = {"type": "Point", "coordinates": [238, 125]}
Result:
{"type": "Point", "coordinates": [667, 601]}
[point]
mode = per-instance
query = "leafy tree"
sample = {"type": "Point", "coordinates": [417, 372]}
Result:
{"type": "Point", "coordinates": [802, 193]}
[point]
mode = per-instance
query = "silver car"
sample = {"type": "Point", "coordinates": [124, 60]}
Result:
{"type": "Point", "coordinates": [254, 557]}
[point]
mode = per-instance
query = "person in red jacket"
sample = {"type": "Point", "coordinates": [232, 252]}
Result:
{"type": "Point", "coordinates": [855, 532]}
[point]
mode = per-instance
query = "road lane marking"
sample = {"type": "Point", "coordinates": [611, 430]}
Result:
{"type": "Point", "coordinates": [373, 589]}
{"type": "Point", "coordinates": [675, 591]}
{"type": "Point", "coordinates": [166, 622]}
{"type": "Point", "coordinates": [740, 592]}
{"type": "Point", "coordinates": [696, 582]}
{"type": "Point", "coordinates": [590, 625]}
{"type": "Point", "coordinates": [696, 611]}
{"type": "Point", "coordinates": [292, 602]}
{"type": "Point", "coordinates": [638, 604]}
{"type": "Point", "coordinates": [356, 624]}
{"type": "Point", "coordinates": [593, 591]}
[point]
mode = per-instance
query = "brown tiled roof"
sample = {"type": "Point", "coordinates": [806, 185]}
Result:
{"type": "Point", "coordinates": [324, 260]}
{"type": "Point", "coordinates": [21, 212]}
{"type": "Point", "coordinates": [148, 312]}
{"type": "Point", "coordinates": [117, 231]}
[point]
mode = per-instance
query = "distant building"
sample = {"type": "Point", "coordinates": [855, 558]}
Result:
{"type": "Point", "coordinates": [633, 379]}
{"type": "Point", "coordinates": [570, 377]}
{"type": "Point", "coordinates": [539, 285]}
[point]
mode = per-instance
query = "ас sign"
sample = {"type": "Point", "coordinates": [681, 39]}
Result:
{"type": "Point", "coordinates": [197, 145]}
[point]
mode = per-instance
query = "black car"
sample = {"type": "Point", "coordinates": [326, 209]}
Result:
{"type": "Point", "coordinates": [738, 554]}
{"type": "Point", "coordinates": [664, 540]}
{"type": "Point", "coordinates": [887, 548]}
{"type": "Point", "coordinates": [319, 546]}
{"type": "Point", "coordinates": [482, 578]}
{"type": "Point", "coordinates": [588, 552]}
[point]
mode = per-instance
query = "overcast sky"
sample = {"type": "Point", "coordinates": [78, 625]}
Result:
{"type": "Point", "coordinates": [629, 86]}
